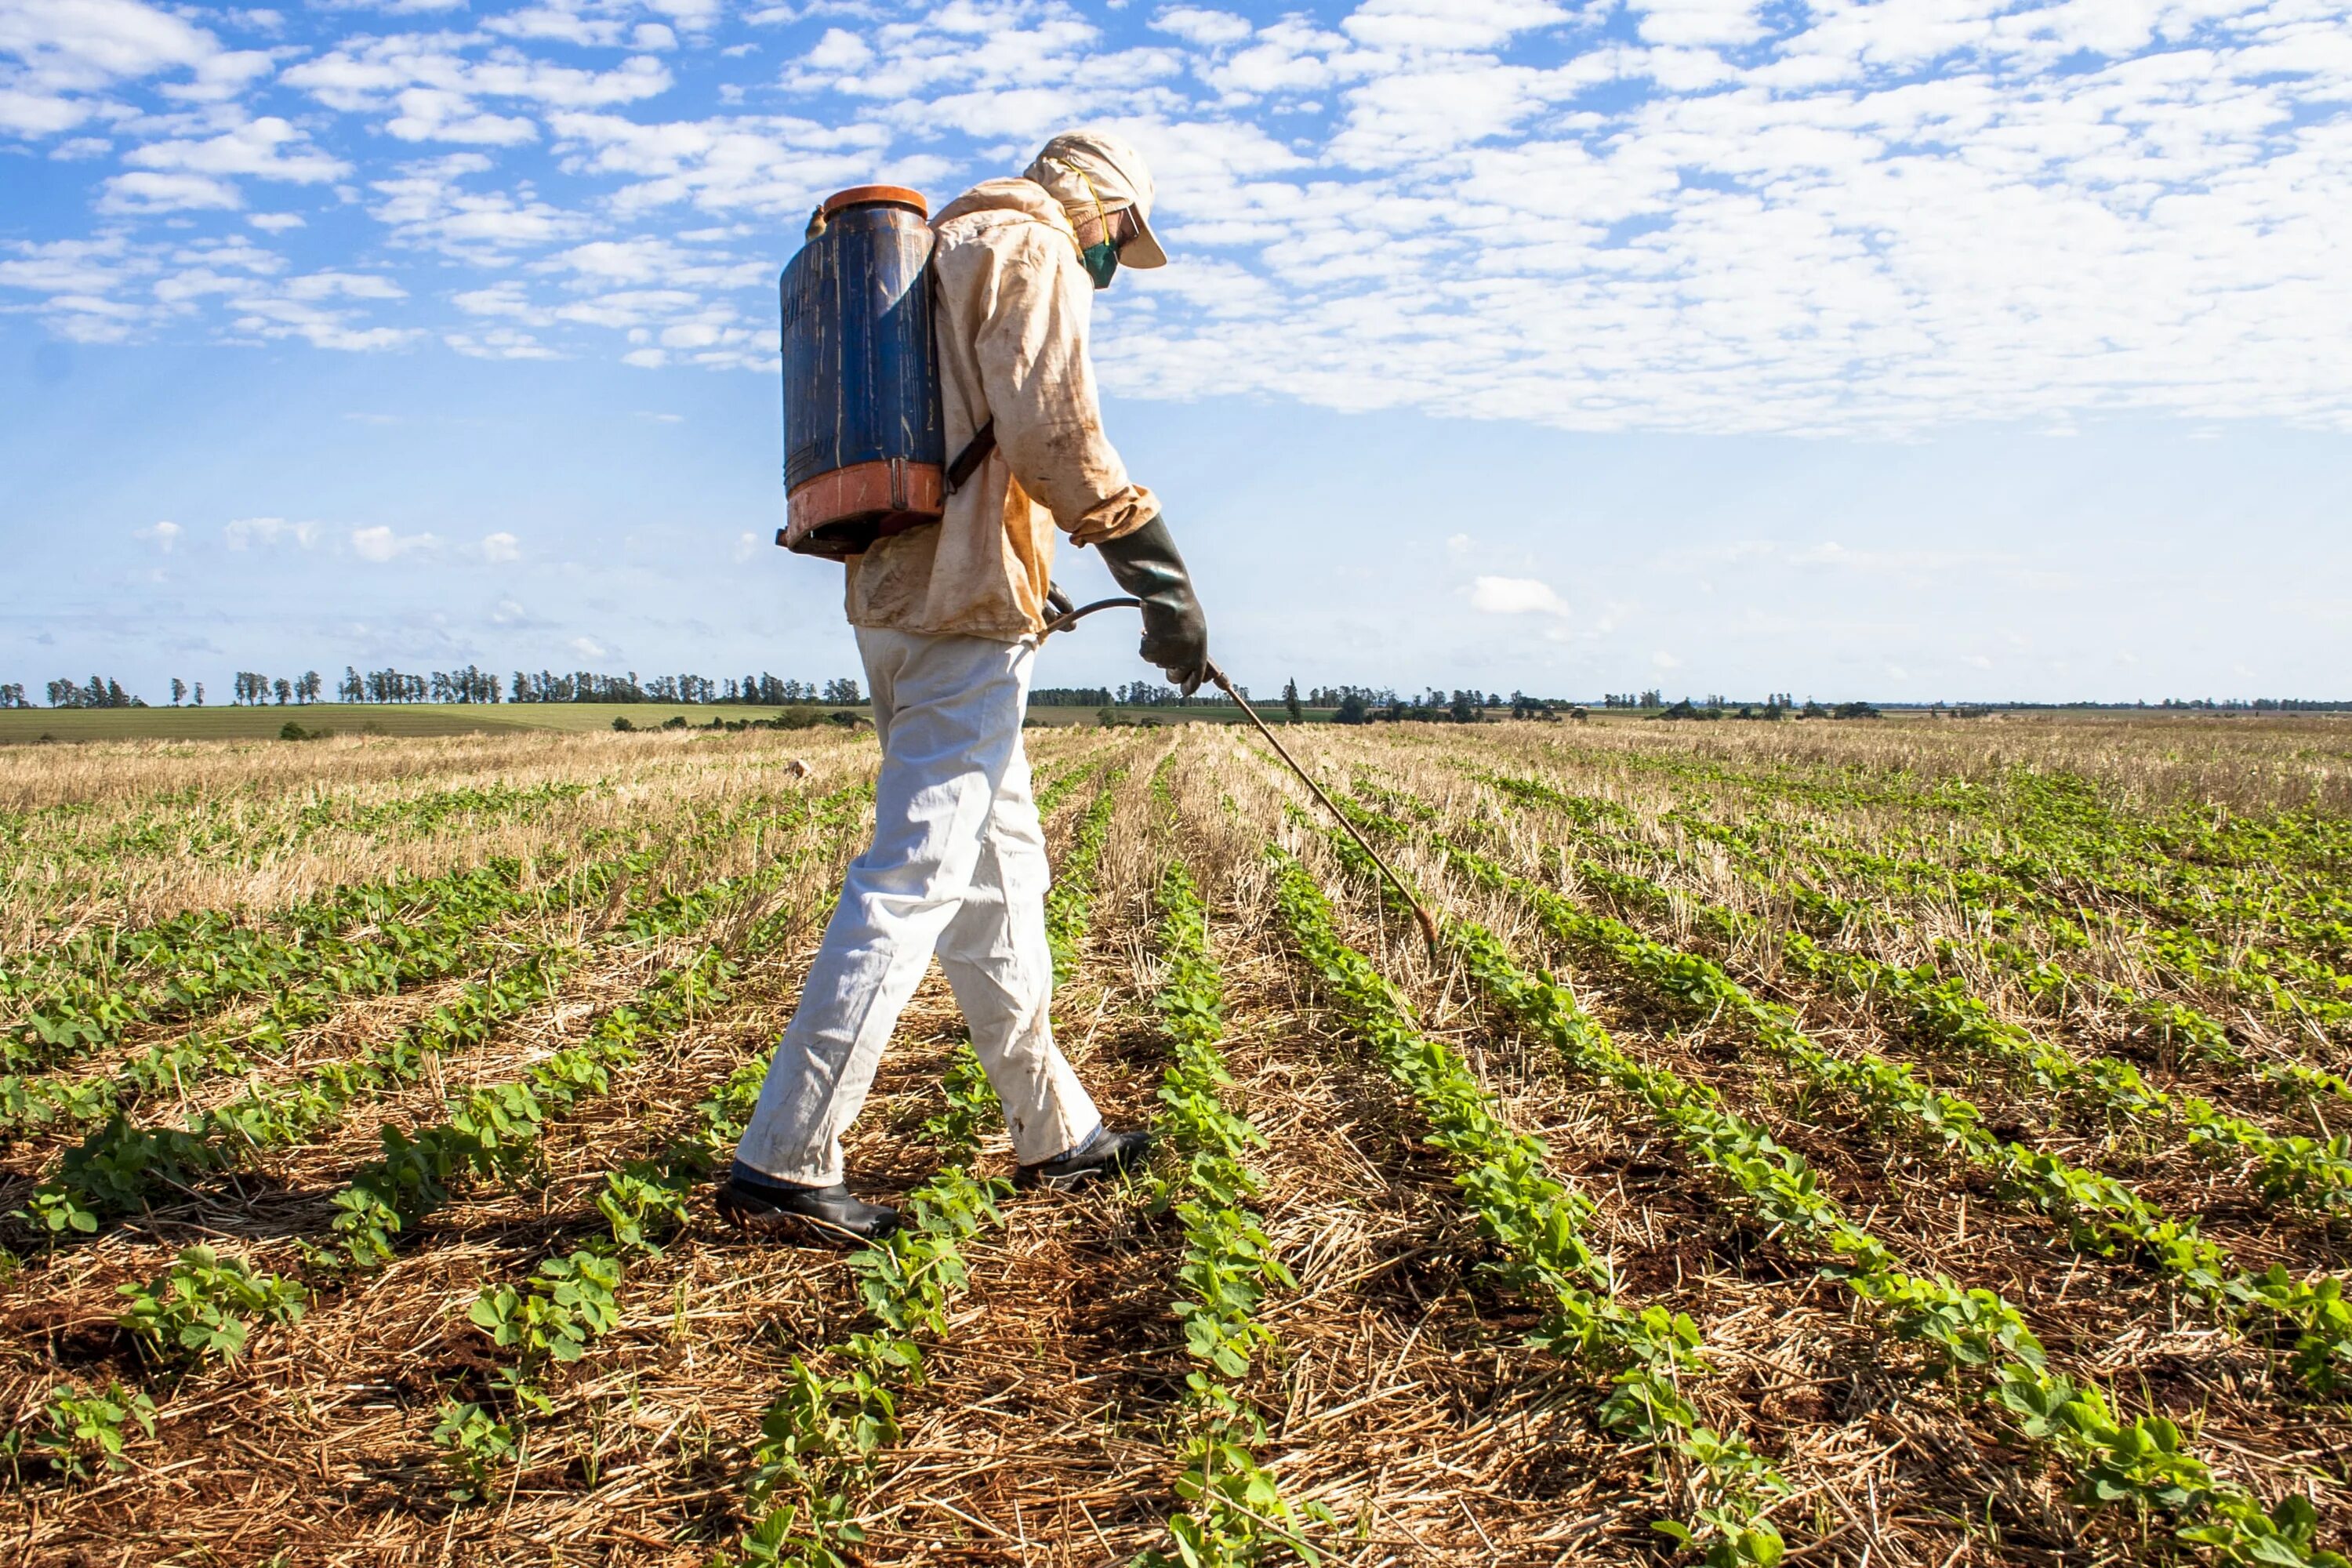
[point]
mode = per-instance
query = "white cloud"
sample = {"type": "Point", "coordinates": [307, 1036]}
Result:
{"type": "Point", "coordinates": [151, 193]}
{"type": "Point", "coordinates": [1723, 216]}
{"type": "Point", "coordinates": [248, 531]}
{"type": "Point", "coordinates": [380, 544]}
{"type": "Point", "coordinates": [268, 148]}
{"type": "Point", "coordinates": [1664, 661]}
{"type": "Point", "coordinates": [166, 535]}
{"type": "Point", "coordinates": [1197, 26]}
{"type": "Point", "coordinates": [499, 342]}
{"type": "Point", "coordinates": [276, 223]}
{"type": "Point", "coordinates": [497, 548]}
{"type": "Point", "coordinates": [1515, 596]}
{"type": "Point", "coordinates": [586, 647]}
{"type": "Point", "coordinates": [429, 88]}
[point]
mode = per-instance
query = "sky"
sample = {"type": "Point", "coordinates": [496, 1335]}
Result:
{"type": "Point", "coordinates": [1941, 350]}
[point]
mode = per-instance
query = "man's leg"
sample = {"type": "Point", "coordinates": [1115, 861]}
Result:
{"type": "Point", "coordinates": [953, 727]}
{"type": "Point", "coordinates": [996, 956]}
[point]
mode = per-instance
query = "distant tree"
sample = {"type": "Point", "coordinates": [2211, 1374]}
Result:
{"type": "Point", "coordinates": [1464, 708]}
{"type": "Point", "coordinates": [313, 685]}
{"type": "Point", "coordinates": [200, 693]}
{"type": "Point", "coordinates": [844, 690]}
{"type": "Point", "coordinates": [284, 690]}
{"type": "Point", "coordinates": [12, 696]}
{"type": "Point", "coordinates": [179, 691]}
{"type": "Point", "coordinates": [1290, 703]}
{"type": "Point", "coordinates": [1352, 709]}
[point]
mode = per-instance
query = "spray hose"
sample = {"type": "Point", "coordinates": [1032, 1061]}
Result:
{"type": "Point", "coordinates": [1069, 618]}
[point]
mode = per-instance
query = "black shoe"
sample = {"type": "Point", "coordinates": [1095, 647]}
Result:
{"type": "Point", "coordinates": [1105, 1154]}
{"type": "Point", "coordinates": [828, 1216]}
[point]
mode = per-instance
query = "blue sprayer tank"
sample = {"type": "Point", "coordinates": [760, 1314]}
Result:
{"type": "Point", "coordinates": [864, 448]}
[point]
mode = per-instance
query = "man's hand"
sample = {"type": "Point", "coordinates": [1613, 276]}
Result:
{"type": "Point", "coordinates": [1175, 632]}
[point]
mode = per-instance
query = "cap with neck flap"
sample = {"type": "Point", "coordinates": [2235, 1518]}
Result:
{"type": "Point", "coordinates": [1082, 167]}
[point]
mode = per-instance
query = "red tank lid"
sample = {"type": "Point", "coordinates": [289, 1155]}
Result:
{"type": "Point", "coordinates": [873, 196]}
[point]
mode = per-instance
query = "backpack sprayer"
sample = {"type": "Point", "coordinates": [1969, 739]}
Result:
{"type": "Point", "coordinates": [864, 440]}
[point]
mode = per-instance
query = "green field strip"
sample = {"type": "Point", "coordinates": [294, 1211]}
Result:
{"type": "Point", "coordinates": [122, 1167]}
{"type": "Point", "coordinates": [2187, 960]}
{"type": "Point", "coordinates": [1235, 1509]}
{"type": "Point", "coordinates": [1537, 1222]}
{"type": "Point", "coordinates": [460, 928]}
{"type": "Point", "coordinates": [463, 927]}
{"type": "Point", "coordinates": [2144, 1464]}
{"type": "Point", "coordinates": [2100, 1214]}
{"type": "Point", "coordinates": [823, 1437]}
{"type": "Point", "coordinates": [1070, 897]}
{"type": "Point", "coordinates": [2292, 1169]}
{"type": "Point", "coordinates": [494, 1130]}
{"type": "Point", "coordinates": [2049, 805]}
{"type": "Point", "coordinates": [2030, 873]}
{"type": "Point", "coordinates": [211, 961]}
{"type": "Point", "coordinates": [198, 836]}
{"type": "Point", "coordinates": [186, 829]}
{"type": "Point", "coordinates": [353, 941]}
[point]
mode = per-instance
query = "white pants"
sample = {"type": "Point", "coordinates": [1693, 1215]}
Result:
{"type": "Point", "coordinates": [957, 866]}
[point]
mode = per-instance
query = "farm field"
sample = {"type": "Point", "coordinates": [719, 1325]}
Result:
{"type": "Point", "coordinates": [33, 725]}
{"type": "Point", "coordinates": [1916, 1144]}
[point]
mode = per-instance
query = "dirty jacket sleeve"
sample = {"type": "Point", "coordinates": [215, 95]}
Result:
{"type": "Point", "coordinates": [1030, 342]}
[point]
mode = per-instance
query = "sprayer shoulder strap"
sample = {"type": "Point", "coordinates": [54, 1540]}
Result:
{"type": "Point", "coordinates": [975, 452]}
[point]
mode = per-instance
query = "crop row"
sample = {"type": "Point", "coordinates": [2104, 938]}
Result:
{"type": "Point", "coordinates": [1991, 884]}
{"type": "Point", "coordinates": [2049, 837]}
{"type": "Point", "coordinates": [2143, 1463]}
{"type": "Point", "coordinates": [207, 959]}
{"type": "Point", "coordinates": [1537, 1222]}
{"type": "Point", "coordinates": [1069, 901]}
{"type": "Point", "coordinates": [120, 1167]}
{"type": "Point", "coordinates": [494, 1130]}
{"type": "Point", "coordinates": [188, 827]}
{"type": "Point", "coordinates": [200, 961]}
{"type": "Point", "coordinates": [2314, 1173]}
{"type": "Point", "coordinates": [2281, 981]}
{"type": "Point", "coordinates": [206, 1304]}
{"type": "Point", "coordinates": [2099, 1212]}
{"type": "Point", "coordinates": [453, 932]}
{"type": "Point", "coordinates": [1235, 1510]}
{"type": "Point", "coordinates": [819, 1438]}
{"type": "Point", "coordinates": [2189, 839]}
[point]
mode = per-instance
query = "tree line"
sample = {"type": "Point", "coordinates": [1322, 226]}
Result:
{"type": "Point", "coordinates": [1349, 704]}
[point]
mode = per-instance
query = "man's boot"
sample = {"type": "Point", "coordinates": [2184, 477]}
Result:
{"type": "Point", "coordinates": [1105, 1154]}
{"type": "Point", "coordinates": [785, 1211]}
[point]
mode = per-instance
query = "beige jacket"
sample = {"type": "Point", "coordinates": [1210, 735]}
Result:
{"type": "Point", "coordinates": [1012, 302]}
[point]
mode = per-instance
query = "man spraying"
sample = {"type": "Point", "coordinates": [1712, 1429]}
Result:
{"type": "Point", "coordinates": [948, 618]}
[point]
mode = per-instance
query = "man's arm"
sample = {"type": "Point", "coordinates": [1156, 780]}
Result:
{"type": "Point", "coordinates": [1031, 343]}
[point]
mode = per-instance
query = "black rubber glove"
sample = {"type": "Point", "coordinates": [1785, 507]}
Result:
{"type": "Point", "coordinates": [1175, 632]}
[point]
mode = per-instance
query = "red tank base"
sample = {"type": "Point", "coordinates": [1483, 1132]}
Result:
{"type": "Point", "coordinates": [842, 514]}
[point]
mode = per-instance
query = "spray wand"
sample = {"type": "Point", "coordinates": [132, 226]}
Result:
{"type": "Point", "coordinates": [1069, 618]}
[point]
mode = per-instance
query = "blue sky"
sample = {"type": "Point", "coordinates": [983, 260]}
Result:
{"type": "Point", "coordinates": [1947, 349]}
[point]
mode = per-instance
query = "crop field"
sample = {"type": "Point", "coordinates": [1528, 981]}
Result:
{"type": "Point", "coordinates": [1822, 1143]}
